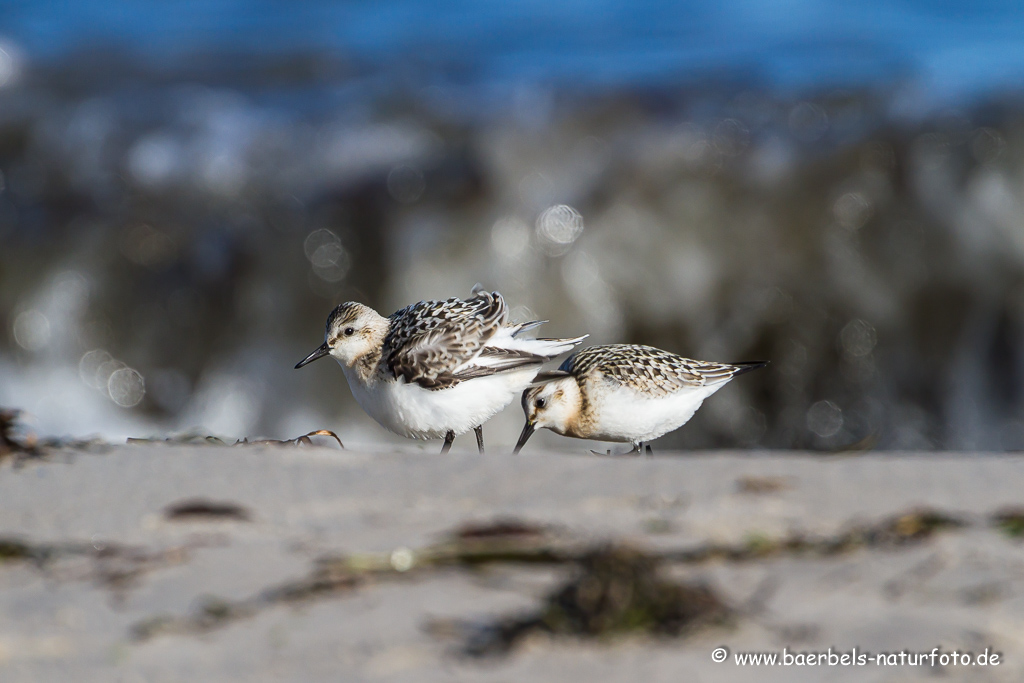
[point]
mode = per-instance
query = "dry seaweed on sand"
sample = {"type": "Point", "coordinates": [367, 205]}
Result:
{"type": "Point", "coordinates": [13, 549]}
{"type": "Point", "coordinates": [615, 590]}
{"type": "Point", "coordinates": [1010, 521]}
{"type": "Point", "coordinates": [195, 438]}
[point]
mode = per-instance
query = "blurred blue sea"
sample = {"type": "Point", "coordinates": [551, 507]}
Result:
{"type": "Point", "coordinates": [951, 48]}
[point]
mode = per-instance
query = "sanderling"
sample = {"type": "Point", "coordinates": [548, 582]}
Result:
{"type": "Point", "coordinates": [436, 369]}
{"type": "Point", "coordinates": [625, 393]}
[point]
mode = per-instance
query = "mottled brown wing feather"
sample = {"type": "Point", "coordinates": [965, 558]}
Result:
{"type": "Point", "coordinates": [429, 340]}
{"type": "Point", "coordinates": [646, 368]}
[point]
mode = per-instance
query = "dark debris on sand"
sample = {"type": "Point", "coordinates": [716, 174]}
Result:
{"type": "Point", "coordinates": [23, 445]}
{"type": "Point", "coordinates": [10, 442]}
{"type": "Point", "coordinates": [14, 549]}
{"type": "Point", "coordinates": [201, 509]}
{"type": "Point", "coordinates": [903, 529]}
{"type": "Point", "coordinates": [111, 565]}
{"type": "Point", "coordinates": [615, 590]}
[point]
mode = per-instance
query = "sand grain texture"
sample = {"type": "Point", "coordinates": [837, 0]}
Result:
{"type": "Point", "coordinates": [165, 563]}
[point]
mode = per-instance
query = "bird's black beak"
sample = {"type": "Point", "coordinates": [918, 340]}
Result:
{"type": "Point", "coordinates": [528, 430]}
{"type": "Point", "coordinates": [320, 352]}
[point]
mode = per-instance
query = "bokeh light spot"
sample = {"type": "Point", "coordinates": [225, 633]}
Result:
{"type": "Point", "coordinates": [731, 137]}
{"type": "Point", "coordinates": [852, 210]}
{"type": "Point", "coordinates": [402, 559]}
{"type": "Point", "coordinates": [89, 366]}
{"type": "Point", "coordinates": [558, 227]}
{"type": "Point", "coordinates": [31, 330]}
{"type": "Point", "coordinates": [987, 145]}
{"type": "Point", "coordinates": [825, 419]}
{"type": "Point", "coordinates": [317, 239]}
{"type": "Point", "coordinates": [858, 338]}
{"type": "Point", "coordinates": [126, 387]}
{"type": "Point", "coordinates": [154, 160]}
{"type": "Point", "coordinates": [329, 258]}
{"type": "Point", "coordinates": [104, 372]}
{"type": "Point", "coordinates": [406, 184]}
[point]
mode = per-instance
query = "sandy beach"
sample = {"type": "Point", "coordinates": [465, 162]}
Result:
{"type": "Point", "coordinates": [261, 563]}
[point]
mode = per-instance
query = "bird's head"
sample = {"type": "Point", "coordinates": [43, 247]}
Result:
{"type": "Point", "coordinates": [353, 330]}
{"type": "Point", "coordinates": [552, 402]}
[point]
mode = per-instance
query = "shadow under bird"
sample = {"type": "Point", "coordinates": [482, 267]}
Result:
{"type": "Point", "coordinates": [436, 369]}
{"type": "Point", "coordinates": [625, 393]}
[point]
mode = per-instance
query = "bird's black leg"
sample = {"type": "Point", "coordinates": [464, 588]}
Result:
{"type": "Point", "coordinates": [479, 438]}
{"type": "Point", "coordinates": [649, 451]}
{"type": "Point", "coordinates": [448, 438]}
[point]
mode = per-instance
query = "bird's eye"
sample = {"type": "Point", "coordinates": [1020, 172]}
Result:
{"type": "Point", "coordinates": [540, 403]}
{"type": "Point", "coordinates": [349, 331]}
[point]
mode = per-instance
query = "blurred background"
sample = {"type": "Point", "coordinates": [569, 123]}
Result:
{"type": "Point", "coordinates": [188, 188]}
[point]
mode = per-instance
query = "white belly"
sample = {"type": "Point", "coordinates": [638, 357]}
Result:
{"type": "Point", "coordinates": [626, 416]}
{"type": "Point", "coordinates": [418, 413]}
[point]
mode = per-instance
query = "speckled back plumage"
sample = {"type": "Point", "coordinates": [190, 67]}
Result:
{"type": "Point", "coordinates": [430, 339]}
{"type": "Point", "coordinates": [647, 369]}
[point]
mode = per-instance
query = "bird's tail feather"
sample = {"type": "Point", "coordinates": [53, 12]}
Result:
{"type": "Point", "coordinates": [519, 328]}
{"type": "Point", "coordinates": [509, 338]}
{"type": "Point", "coordinates": [747, 366]}
{"type": "Point", "coordinates": [545, 346]}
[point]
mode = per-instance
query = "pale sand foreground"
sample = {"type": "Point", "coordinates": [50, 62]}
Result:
{"type": "Point", "coordinates": [104, 558]}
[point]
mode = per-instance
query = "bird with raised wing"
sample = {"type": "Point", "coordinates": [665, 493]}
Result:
{"type": "Point", "coordinates": [625, 393]}
{"type": "Point", "coordinates": [436, 369]}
